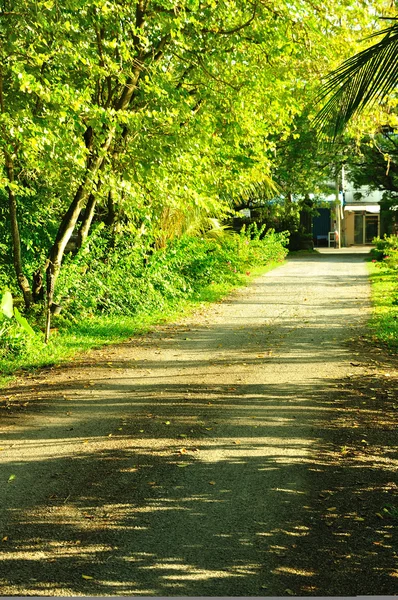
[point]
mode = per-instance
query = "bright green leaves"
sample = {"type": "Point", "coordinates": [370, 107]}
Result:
{"type": "Point", "coordinates": [6, 305]}
{"type": "Point", "coordinates": [194, 97]}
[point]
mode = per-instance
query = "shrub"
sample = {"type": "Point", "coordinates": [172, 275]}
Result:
{"type": "Point", "coordinates": [128, 277]}
{"type": "Point", "coordinates": [386, 249]}
{"type": "Point", "coordinates": [16, 335]}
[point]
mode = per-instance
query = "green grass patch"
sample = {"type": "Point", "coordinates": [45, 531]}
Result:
{"type": "Point", "coordinates": [99, 331]}
{"type": "Point", "coordinates": [384, 321]}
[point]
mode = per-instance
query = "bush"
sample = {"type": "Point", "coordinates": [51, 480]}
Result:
{"type": "Point", "coordinates": [386, 250]}
{"type": "Point", "coordinates": [17, 338]}
{"type": "Point", "coordinates": [129, 277]}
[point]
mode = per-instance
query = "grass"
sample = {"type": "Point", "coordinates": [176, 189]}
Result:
{"type": "Point", "coordinates": [384, 322]}
{"type": "Point", "coordinates": [100, 331]}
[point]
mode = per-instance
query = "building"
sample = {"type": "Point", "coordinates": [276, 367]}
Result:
{"type": "Point", "coordinates": [354, 220]}
{"type": "Point", "coordinates": [360, 222]}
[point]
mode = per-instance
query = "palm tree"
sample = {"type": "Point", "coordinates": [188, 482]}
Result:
{"type": "Point", "coordinates": [360, 81]}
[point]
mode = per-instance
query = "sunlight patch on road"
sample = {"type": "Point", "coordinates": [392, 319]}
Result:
{"type": "Point", "coordinates": [293, 571]}
{"type": "Point", "coordinates": [188, 572]}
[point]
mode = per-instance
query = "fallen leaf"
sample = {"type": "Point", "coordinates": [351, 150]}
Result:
{"type": "Point", "coordinates": [183, 464]}
{"type": "Point", "coordinates": [5, 538]}
{"type": "Point", "coordinates": [11, 478]}
{"type": "Point", "coordinates": [212, 482]}
{"type": "Point", "coordinates": [289, 592]}
{"type": "Point", "coordinates": [87, 577]}
{"type": "Point", "coordinates": [236, 442]}
{"type": "Point", "coordinates": [167, 422]}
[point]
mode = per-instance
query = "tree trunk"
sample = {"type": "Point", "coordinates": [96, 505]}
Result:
{"type": "Point", "coordinates": [16, 239]}
{"type": "Point", "coordinates": [69, 220]}
{"type": "Point", "coordinates": [87, 220]}
{"type": "Point", "coordinates": [68, 224]}
{"type": "Point", "coordinates": [110, 204]}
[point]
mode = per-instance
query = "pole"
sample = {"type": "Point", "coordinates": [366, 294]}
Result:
{"type": "Point", "coordinates": [337, 210]}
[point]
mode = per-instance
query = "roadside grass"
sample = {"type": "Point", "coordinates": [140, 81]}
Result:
{"type": "Point", "coordinates": [384, 321]}
{"type": "Point", "coordinates": [100, 331]}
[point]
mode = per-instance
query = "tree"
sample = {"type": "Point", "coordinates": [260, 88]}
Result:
{"type": "Point", "coordinates": [147, 109]}
{"type": "Point", "coordinates": [375, 165]}
{"type": "Point", "coordinates": [367, 77]}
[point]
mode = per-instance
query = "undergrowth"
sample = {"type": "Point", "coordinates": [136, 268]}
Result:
{"type": "Point", "coordinates": [110, 293]}
{"type": "Point", "coordinates": [384, 278]}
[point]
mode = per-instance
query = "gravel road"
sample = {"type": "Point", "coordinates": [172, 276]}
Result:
{"type": "Point", "coordinates": [185, 462]}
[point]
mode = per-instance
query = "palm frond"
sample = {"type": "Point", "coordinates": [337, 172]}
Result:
{"type": "Point", "coordinates": [265, 189]}
{"type": "Point", "coordinates": [361, 80]}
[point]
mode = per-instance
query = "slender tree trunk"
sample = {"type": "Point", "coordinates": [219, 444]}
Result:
{"type": "Point", "coordinates": [110, 204]}
{"type": "Point", "coordinates": [68, 224]}
{"type": "Point", "coordinates": [95, 162]}
{"type": "Point", "coordinates": [16, 239]}
{"type": "Point", "coordinates": [89, 213]}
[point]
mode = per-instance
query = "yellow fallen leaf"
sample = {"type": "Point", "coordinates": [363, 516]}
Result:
{"type": "Point", "coordinates": [236, 442]}
{"type": "Point", "coordinates": [5, 538]}
{"type": "Point", "coordinates": [212, 482]}
{"type": "Point", "coordinates": [87, 577]}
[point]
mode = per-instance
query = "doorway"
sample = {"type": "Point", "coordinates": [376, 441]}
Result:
{"type": "Point", "coordinates": [366, 228]}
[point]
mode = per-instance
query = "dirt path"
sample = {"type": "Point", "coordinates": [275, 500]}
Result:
{"type": "Point", "coordinates": [246, 453]}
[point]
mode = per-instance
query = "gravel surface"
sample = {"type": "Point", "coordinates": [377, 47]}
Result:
{"type": "Point", "coordinates": [200, 459]}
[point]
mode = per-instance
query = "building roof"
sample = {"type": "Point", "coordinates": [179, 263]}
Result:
{"type": "Point", "coordinates": [371, 208]}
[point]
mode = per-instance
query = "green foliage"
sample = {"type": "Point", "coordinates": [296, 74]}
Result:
{"type": "Point", "coordinates": [386, 250]}
{"type": "Point", "coordinates": [17, 338]}
{"type": "Point", "coordinates": [129, 277]}
{"type": "Point", "coordinates": [362, 79]}
{"type": "Point", "coordinates": [384, 268]}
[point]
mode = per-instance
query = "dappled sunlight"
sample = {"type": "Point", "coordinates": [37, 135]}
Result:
{"type": "Point", "coordinates": [229, 459]}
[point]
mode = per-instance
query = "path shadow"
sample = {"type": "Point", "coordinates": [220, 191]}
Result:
{"type": "Point", "coordinates": [179, 509]}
